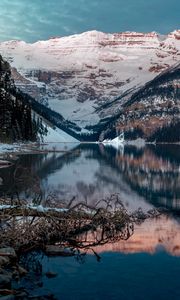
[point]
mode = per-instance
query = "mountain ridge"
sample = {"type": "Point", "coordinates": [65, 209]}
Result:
{"type": "Point", "coordinates": [161, 36]}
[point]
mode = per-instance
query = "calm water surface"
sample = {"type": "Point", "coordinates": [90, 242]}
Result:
{"type": "Point", "coordinates": [147, 266]}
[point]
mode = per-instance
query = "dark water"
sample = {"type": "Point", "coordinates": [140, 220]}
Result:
{"type": "Point", "coordinates": [147, 266]}
{"type": "Point", "coordinates": [118, 276]}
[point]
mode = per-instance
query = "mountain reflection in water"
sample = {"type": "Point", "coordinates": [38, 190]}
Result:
{"type": "Point", "coordinates": [144, 177]}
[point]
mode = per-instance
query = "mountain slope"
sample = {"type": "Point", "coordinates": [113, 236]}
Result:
{"type": "Point", "coordinates": [153, 112]}
{"type": "Point", "coordinates": [86, 78]}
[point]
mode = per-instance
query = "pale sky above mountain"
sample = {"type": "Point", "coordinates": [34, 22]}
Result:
{"type": "Point", "coordinates": [31, 20]}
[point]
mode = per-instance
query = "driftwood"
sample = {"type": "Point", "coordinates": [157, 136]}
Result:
{"type": "Point", "coordinates": [25, 227]}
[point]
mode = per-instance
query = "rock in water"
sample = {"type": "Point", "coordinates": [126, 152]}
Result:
{"type": "Point", "coordinates": [51, 274]}
{"type": "Point", "coordinates": [10, 252]}
{"type": "Point", "coordinates": [52, 250]}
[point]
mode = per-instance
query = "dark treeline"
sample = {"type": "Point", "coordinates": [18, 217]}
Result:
{"type": "Point", "coordinates": [15, 115]}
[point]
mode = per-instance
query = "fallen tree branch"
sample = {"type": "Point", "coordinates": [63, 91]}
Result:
{"type": "Point", "coordinates": [27, 227]}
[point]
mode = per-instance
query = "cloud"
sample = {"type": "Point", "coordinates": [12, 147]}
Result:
{"type": "Point", "coordinates": [40, 19]}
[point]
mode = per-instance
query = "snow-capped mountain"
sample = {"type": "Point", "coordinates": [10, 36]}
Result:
{"type": "Point", "coordinates": [77, 76]}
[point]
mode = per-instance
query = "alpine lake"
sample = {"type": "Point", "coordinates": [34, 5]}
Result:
{"type": "Point", "coordinates": [143, 267]}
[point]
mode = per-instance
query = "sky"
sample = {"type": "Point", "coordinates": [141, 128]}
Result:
{"type": "Point", "coordinates": [32, 20]}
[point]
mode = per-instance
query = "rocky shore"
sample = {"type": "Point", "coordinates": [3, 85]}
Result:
{"type": "Point", "coordinates": [11, 273]}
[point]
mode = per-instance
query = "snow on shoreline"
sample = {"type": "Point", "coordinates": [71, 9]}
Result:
{"type": "Point", "coordinates": [56, 135]}
{"type": "Point", "coordinates": [38, 208]}
{"type": "Point", "coordinates": [14, 147]}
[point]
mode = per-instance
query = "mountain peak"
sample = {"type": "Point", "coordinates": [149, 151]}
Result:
{"type": "Point", "coordinates": [175, 34]}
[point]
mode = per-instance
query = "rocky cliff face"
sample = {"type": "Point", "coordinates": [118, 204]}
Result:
{"type": "Point", "coordinates": [78, 75]}
{"type": "Point", "coordinates": [15, 115]}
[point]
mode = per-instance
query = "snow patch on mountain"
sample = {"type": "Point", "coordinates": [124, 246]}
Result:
{"type": "Point", "coordinates": [55, 135]}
